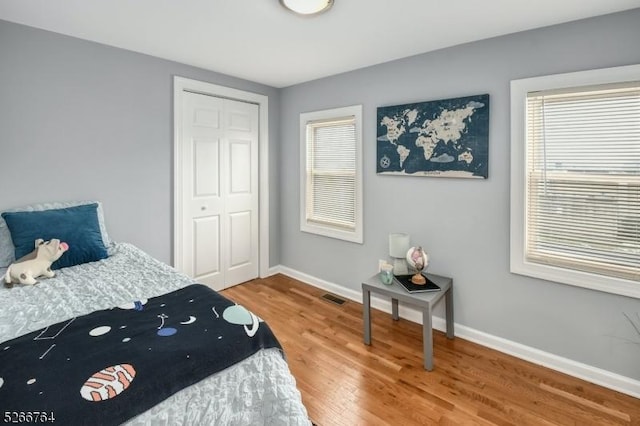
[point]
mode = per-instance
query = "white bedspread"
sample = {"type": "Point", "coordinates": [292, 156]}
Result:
{"type": "Point", "coordinates": [257, 391]}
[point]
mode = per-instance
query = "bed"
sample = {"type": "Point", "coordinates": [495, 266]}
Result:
{"type": "Point", "coordinates": [256, 390]}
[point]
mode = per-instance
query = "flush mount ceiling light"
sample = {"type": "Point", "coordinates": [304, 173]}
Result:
{"type": "Point", "coordinates": [307, 7]}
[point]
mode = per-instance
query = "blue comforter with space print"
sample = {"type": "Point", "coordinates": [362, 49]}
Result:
{"type": "Point", "coordinates": [108, 366]}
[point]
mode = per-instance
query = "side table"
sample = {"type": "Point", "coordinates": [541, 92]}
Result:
{"type": "Point", "coordinates": [424, 301]}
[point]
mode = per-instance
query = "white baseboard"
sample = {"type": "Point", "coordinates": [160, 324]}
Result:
{"type": "Point", "coordinates": [573, 368]}
{"type": "Point", "coordinates": [272, 271]}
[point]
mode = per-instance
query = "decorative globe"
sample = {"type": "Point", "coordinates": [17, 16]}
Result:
{"type": "Point", "coordinates": [418, 260]}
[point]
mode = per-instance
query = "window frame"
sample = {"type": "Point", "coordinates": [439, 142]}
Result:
{"type": "Point", "coordinates": [518, 230]}
{"type": "Point", "coordinates": [355, 235]}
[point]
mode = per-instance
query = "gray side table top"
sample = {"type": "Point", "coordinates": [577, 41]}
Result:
{"type": "Point", "coordinates": [396, 291]}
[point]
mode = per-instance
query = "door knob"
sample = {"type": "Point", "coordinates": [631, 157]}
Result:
{"type": "Point", "coordinates": [203, 208]}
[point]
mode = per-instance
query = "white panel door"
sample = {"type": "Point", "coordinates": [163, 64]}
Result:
{"type": "Point", "coordinates": [219, 151]}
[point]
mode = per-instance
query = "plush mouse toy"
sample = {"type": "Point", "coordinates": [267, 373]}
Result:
{"type": "Point", "coordinates": [26, 269]}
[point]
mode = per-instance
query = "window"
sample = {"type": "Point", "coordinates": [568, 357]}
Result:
{"type": "Point", "coordinates": [331, 173]}
{"type": "Point", "coordinates": [575, 194]}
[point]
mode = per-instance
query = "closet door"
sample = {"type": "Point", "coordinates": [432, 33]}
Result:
{"type": "Point", "coordinates": [219, 178]}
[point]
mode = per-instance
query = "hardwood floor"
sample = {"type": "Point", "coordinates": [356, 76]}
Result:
{"type": "Point", "coordinates": [344, 382]}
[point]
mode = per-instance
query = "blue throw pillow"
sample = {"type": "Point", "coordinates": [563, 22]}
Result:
{"type": "Point", "coordinates": [8, 251]}
{"type": "Point", "coordinates": [77, 226]}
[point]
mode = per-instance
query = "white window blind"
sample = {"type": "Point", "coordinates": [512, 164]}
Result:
{"type": "Point", "coordinates": [331, 173]}
{"type": "Point", "coordinates": [583, 179]}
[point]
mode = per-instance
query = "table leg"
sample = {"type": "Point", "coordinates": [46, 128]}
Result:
{"type": "Point", "coordinates": [448, 299]}
{"type": "Point", "coordinates": [394, 309]}
{"type": "Point", "coordinates": [427, 339]}
{"type": "Point", "coordinates": [366, 313]}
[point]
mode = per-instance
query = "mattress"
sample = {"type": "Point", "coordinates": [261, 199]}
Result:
{"type": "Point", "coordinates": [257, 391]}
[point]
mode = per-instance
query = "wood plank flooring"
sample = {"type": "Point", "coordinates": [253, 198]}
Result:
{"type": "Point", "coordinates": [344, 382]}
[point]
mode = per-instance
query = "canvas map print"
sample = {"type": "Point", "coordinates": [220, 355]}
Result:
{"type": "Point", "coordinates": [444, 138]}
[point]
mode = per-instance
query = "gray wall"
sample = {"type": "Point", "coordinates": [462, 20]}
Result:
{"type": "Point", "coordinates": [464, 224]}
{"type": "Point", "coordinates": [81, 120]}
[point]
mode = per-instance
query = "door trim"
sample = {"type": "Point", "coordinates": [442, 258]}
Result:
{"type": "Point", "coordinates": [180, 85]}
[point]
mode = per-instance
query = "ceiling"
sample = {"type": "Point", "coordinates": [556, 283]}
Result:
{"type": "Point", "coordinates": [260, 41]}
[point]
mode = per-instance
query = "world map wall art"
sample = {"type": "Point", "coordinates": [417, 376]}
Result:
{"type": "Point", "coordinates": [444, 138]}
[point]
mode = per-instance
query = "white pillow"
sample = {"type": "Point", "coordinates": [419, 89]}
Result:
{"type": "Point", "coordinates": [7, 250]}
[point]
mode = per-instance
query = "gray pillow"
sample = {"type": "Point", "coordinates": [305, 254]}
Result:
{"type": "Point", "coordinates": [7, 250]}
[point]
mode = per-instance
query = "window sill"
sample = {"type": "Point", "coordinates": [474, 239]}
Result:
{"type": "Point", "coordinates": [587, 280]}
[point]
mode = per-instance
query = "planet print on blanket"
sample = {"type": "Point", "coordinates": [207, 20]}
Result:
{"type": "Point", "coordinates": [99, 331]}
{"type": "Point", "coordinates": [108, 383]}
{"type": "Point", "coordinates": [166, 332]}
{"type": "Point", "coordinates": [239, 315]}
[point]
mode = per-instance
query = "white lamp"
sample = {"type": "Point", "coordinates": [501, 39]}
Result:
{"type": "Point", "coordinates": [307, 7]}
{"type": "Point", "coordinates": [398, 246]}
